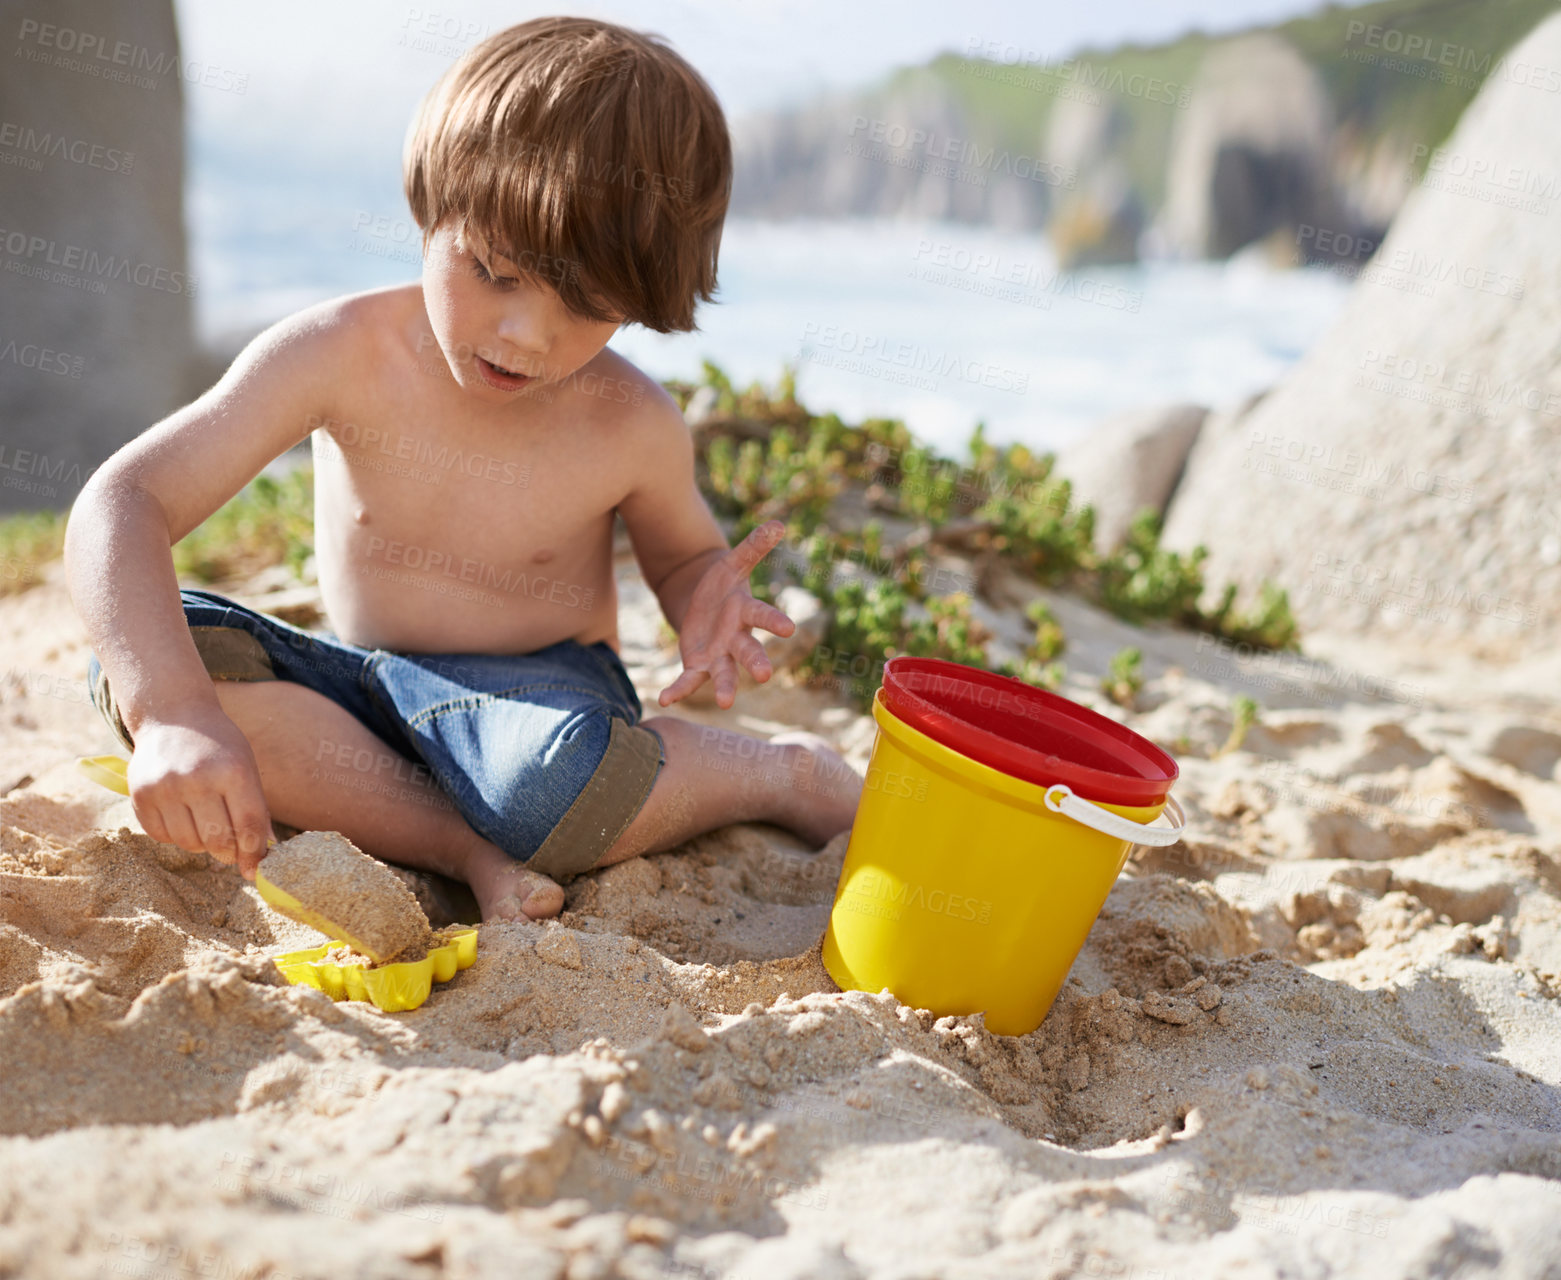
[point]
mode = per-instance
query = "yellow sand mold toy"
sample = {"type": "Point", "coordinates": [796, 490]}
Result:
{"type": "Point", "coordinates": [394, 988]}
{"type": "Point", "coordinates": [351, 921]}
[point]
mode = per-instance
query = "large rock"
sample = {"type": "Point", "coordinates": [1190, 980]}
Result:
{"type": "Point", "coordinates": [1249, 157]}
{"type": "Point", "coordinates": [1129, 462]}
{"type": "Point", "coordinates": [95, 305]}
{"type": "Point", "coordinates": [1101, 218]}
{"type": "Point", "coordinates": [1403, 478]}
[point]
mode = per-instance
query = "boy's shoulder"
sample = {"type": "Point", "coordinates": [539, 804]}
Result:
{"type": "Point", "coordinates": [355, 326]}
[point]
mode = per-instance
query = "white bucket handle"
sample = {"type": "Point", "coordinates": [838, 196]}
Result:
{"type": "Point", "coordinates": [1059, 798]}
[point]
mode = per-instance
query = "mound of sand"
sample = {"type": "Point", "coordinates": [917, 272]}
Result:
{"type": "Point", "coordinates": [1321, 1036]}
{"type": "Point", "coordinates": [336, 883]}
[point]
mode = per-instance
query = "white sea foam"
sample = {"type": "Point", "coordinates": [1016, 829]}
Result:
{"type": "Point", "coordinates": [938, 323]}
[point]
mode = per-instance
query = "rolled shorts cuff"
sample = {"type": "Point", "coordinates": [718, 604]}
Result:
{"type": "Point", "coordinates": [227, 652]}
{"type": "Point", "coordinates": [603, 810]}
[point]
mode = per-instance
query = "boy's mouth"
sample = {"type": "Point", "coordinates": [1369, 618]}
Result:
{"type": "Point", "coordinates": [500, 377]}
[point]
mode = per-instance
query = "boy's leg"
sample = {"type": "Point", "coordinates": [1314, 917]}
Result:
{"type": "Point", "coordinates": [322, 769]}
{"type": "Point", "coordinates": [714, 777]}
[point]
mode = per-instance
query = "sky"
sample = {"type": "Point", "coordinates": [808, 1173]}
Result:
{"type": "Point", "coordinates": [367, 62]}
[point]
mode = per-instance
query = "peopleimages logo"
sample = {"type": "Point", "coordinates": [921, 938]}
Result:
{"type": "Point", "coordinates": [34, 255]}
{"type": "Point", "coordinates": [856, 351]}
{"type": "Point", "coordinates": [962, 152]}
{"type": "Point", "coordinates": [95, 54]}
{"type": "Point", "coordinates": [56, 146]}
{"type": "Point", "coordinates": [886, 896]}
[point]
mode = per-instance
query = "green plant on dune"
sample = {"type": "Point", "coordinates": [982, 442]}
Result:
{"type": "Point", "coordinates": [869, 624]}
{"type": "Point", "coordinates": [1270, 625]}
{"type": "Point", "coordinates": [1038, 665]}
{"type": "Point", "coordinates": [1030, 509]}
{"type": "Point", "coordinates": [784, 476]}
{"type": "Point", "coordinates": [1003, 500]}
{"type": "Point", "coordinates": [1244, 712]}
{"type": "Point", "coordinates": [27, 543]}
{"type": "Point", "coordinates": [1049, 640]}
{"type": "Point", "coordinates": [269, 521]}
{"type": "Point", "coordinates": [1141, 579]}
{"type": "Point", "coordinates": [1124, 677]}
{"type": "Point", "coordinates": [1043, 675]}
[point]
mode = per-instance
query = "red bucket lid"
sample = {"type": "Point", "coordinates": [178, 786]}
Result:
{"type": "Point", "coordinates": [1026, 732]}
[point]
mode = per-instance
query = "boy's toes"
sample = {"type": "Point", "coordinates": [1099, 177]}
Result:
{"type": "Point", "coordinates": [542, 899]}
{"type": "Point", "coordinates": [528, 895]}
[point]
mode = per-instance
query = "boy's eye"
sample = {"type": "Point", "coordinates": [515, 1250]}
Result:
{"type": "Point", "coordinates": [487, 277]}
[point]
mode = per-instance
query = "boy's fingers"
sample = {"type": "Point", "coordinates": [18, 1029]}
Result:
{"type": "Point", "coordinates": [684, 685]}
{"type": "Point", "coordinates": [181, 828]}
{"type": "Point", "coordinates": [252, 827]}
{"type": "Point", "coordinates": [725, 681]}
{"type": "Point", "coordinates": [214, 829]}
{"type": "Point", "coordinates": [753, 657]}
{"type": "Point", "coordinates": [758, 544]}
{"type": "Point", "coordinates": [152, 823]}
{"type": "Point", "coordinates": [755, 613]}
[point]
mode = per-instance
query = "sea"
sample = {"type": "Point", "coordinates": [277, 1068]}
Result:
{"type": "Point", "coordinates": [943, 325]}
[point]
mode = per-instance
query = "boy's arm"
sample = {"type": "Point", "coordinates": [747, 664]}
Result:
{"type": "Point", "coordinates": [702, 584]}
{"type": "Point", "coordinates": [193, 779]}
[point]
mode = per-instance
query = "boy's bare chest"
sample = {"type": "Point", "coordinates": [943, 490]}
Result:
{"type": "Point", "coordinates": [519, 495]}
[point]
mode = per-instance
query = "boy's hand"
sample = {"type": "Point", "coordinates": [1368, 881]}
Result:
{"type": "Point", "coordinates": [195, 784]}
{"type": "Point", "coordinates": [715, 635]}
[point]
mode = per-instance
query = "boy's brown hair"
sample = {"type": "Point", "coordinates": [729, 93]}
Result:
{"type": "Point", "coordinates": [593, 157]}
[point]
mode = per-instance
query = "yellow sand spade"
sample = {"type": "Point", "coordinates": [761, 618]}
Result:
{"type": "Point", "coordinates": [385, 919]}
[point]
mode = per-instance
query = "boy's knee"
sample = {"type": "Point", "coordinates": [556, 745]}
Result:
{"type": "Point", "coordinates": [610, 800]}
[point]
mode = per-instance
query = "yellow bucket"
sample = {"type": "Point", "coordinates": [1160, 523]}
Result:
{"type": "Point", "coordinates": [966, 889]}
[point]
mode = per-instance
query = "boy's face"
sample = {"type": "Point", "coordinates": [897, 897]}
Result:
{"type": "Point", "coordinates": [502, 332]}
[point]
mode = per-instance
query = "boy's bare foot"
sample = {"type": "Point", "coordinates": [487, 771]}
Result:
{"type": "Point", "coordinates": [505, 890]}
{"type": "Point", "coordinates": [820, 792]}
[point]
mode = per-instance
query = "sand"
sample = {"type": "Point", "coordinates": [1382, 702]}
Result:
{"type": "Point", "coordinates": [1320, 1037]}
{"type": "Point", "coordinates": [332, 878]}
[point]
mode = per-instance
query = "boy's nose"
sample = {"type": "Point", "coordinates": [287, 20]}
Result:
{"type": "Point", "coordinates": [525, 335]}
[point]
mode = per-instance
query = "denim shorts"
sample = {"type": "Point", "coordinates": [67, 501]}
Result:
{"type": "Point", "coordinates": [541, 752]}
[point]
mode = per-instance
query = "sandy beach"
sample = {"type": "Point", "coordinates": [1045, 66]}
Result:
{"type": "Point", "coordinates": [1317, 1037]}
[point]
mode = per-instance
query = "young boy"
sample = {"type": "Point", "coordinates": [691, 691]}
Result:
{"type": "Point", "coordinates": [473, 438]}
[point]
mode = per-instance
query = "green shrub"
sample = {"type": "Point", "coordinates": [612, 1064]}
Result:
{"type": "Point", "coordinates": [1049, 640]}
{"type": "Point", "coordinates": [1244, 712]}
{"type": "Point", "coordinates": [775, 459]}
{"type": "Point", "coordinates": [1124, 678]}
{"type": "Point", "coordinates": [27, 543]}
{"type": "Point", "coordinates": [270, 521]}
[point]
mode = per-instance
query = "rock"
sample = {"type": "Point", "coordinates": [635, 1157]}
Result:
{"type": "Point", "coordinates": [1527, 747]}
{"type": "Point", "coordinates": [1100, 219]}
{"type": "Point", "coordinates": [1402, 479]}
{"type": "Point", "coordinates": [812, 619]}
{"type": "Point", "coordinates": [558, 946]}
{"type": "Point", "coordinates": [1129, 462]}
{"type": "Point", "coordinates": [680, 1027]}
{"type": "Point", "coordinates": [1172, 1009]}
{"type": "Point", "coordinates": [1100, 224]}
{"type": "Point", "coordinates": [1249, 156]}
{"type": "Point", "coordinates": [95, 315]}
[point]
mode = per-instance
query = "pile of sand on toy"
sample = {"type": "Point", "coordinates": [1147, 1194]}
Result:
{"type": "Point", "coordinates": [334, 879]}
